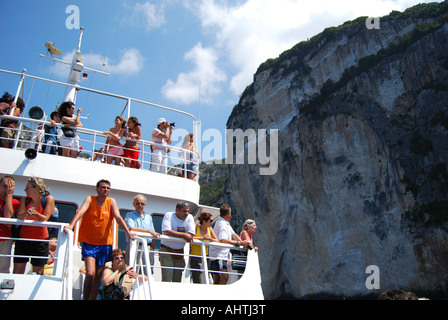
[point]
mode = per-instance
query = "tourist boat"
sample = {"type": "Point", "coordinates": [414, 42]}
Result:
{"type": "Point", "coordinates": [72, 179]}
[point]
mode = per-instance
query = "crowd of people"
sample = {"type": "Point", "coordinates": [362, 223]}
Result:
{"type": "Point", "coordinates": [102, 264]}
{"type": "Point", "coordinates": [66, 141]}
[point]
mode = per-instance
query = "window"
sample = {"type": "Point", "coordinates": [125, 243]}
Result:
{"type": "Point", "coordinates": [66, 211]}
{"type": "Point", "coordinates": [122, 244]}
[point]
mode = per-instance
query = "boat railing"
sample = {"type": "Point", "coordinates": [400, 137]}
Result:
{"type": "Point", "coordinates": [146, 267]}
{"type": "Point", "coordinates": [63, 260]}
{"type": "Point", "coordinates": [30, 134]}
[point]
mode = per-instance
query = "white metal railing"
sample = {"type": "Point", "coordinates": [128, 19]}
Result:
{"type": "Point", "coordinates": [63, 264]}
{"type": "Point", "coordinates": [30, 134]}
{"type": "Point", "coordinates": [23, 76]}
{"type": "Point", "coordinates": [140, 260]}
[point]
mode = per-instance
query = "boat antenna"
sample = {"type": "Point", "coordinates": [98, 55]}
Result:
{"type": "Point", "coordinates": [80, 38]}
{"type": "Point", "coordinates": [199, 102]}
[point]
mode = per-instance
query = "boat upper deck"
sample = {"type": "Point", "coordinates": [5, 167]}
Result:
{"type": "Point", "coordinates": [28, 140]}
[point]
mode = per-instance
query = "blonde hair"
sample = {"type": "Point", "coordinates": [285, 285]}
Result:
{"type": "Point", "coordinates": [39, 183]}
{"type": "Point", "coordinates": [186, 141]}
{"type": "Point", "coordinates": [248, 223]}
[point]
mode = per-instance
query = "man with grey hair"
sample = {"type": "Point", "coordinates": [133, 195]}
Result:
{"type": "Point", "coordinates": [140, 221]}
{"type": "Point", "coordinates": [179, 224]}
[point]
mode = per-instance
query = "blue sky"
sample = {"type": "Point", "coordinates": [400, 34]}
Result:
{"type": "Point", "coordinates": [163, 51]}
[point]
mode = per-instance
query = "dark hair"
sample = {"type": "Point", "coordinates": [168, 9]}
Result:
{"type": "Point", "coordinates": [224, 210]}
{"type": "Point", "coordinates": [204, 216]}
{"type": "Point", "coordinates": [54, 114]}
{"type": "Point", "coordinates": [20, 104]}
{"type": "Point", "coordinates": [123, 121]}
{"type": "Point", "coordinates": [63, 108]}
{"type": "Point", "coordinates": [135, 120]}
{"type": "Point", "coordinates": [102, 181]}
{"type": "Point", "coordinates": [6, 98]}
{"type": "Point", "coordinates": [182, 204]}
{"type": "Point", "coordinates": [10, 99]}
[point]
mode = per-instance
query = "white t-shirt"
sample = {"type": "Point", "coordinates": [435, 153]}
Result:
{"type": "Point", "coordinates": [223, 230]}
{"type": "Point", "coordinates": [157, 139]}
{"type": "Point", "coordinates": [172, 222]}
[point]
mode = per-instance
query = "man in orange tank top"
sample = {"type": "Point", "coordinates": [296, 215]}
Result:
{"type": "Point", "coordinates": [95, 234]}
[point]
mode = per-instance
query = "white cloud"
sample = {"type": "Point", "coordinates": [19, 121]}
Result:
{"type": "Point", "coordinates": [153, 16]}
{"type": "Point", "coordinates": [130, 63]}
{"type": "Point", "coordinates": [253, 31]}
{"type": "Point", "coordinates": [145, 15]}
{"type": "Point", "coordinates": [247, 33]}
{"type": "Point", "coordinates": [205, 74]}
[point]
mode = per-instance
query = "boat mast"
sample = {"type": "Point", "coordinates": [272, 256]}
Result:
{"type": "Point", "coordinates": [75, 72]}
{"type": "Point", "coordinates": [80, 39]}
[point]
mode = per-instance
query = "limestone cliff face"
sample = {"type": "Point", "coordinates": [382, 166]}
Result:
{"type": "Point", "coordinates": [363, 151]}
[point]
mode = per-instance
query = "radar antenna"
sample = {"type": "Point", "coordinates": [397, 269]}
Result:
{"type": "Point", "coordinates": [51, 49]}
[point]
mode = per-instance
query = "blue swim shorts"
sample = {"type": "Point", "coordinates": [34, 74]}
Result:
{"type": "Point", "coordinates": [101, 253]}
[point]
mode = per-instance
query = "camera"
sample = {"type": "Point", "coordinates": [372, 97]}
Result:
{"type": "Point", "coordinates": [173, 124]}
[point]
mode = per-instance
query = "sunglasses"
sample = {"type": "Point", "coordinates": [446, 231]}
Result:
{"type": "Point", "coordinates": [141, 204]}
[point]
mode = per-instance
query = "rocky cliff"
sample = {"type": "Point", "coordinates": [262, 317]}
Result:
{"type": "Point", "coordinates": [362, 116]}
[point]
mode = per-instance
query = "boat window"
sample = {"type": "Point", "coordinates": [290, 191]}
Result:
{"type": "Point", "coordinates": [122, 244]}
{"type": "Point", "coordinates": [157, 221]}
{"type": "Point", "coordinates": [66, 211]}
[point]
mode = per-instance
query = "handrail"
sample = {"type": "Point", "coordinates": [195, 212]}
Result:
{"type": "Point", "coordinates": [138, 246]}
{"type": "Point", "coordinates": [78, 87]}
{"type": "Point", "coordinates": [63, 265]}
{"type": "Point", "coordinates": [48, 224]}
{"type": "Point", "coordinates": [144, 269]}
{"type": "Point", "coordinates": [96, 132]}
{"type": "Point", "coordinates": [194, 241]}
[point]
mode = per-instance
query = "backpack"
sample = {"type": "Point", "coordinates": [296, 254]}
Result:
{"type": "Point", "coordinates": [120, 288]}
{"type": "Point", "coordinates": [15, 229]}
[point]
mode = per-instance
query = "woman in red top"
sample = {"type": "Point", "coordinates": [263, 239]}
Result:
{"type": "Point", "coordinates": [30, 208]}
{"type": "Point", "coordinates": [131, 149]}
